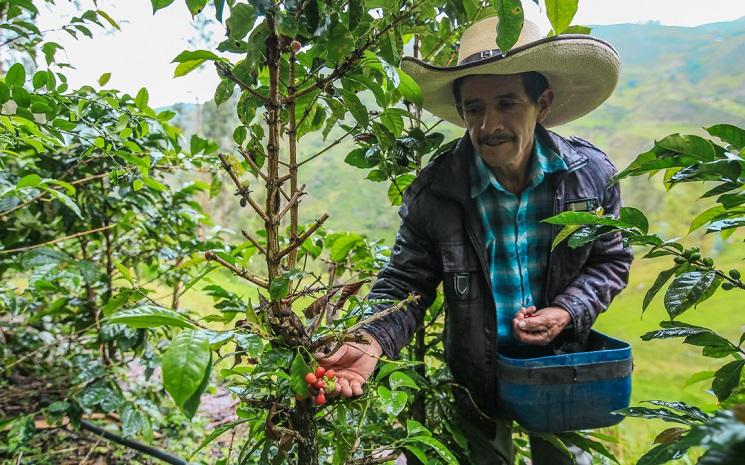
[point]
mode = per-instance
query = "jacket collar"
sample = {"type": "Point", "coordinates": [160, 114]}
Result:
{"type": "Point", "coordinates": [452, 178]}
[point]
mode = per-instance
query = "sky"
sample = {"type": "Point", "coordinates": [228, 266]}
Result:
{"type": "Point", "coordinates": [140, 54]}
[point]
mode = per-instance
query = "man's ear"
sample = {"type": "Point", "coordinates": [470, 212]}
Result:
{"type": "Point", "coordinates": [544, 104]}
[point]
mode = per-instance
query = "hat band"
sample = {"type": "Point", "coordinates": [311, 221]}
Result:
{"type": "Point", "coordinates": [482, 55]}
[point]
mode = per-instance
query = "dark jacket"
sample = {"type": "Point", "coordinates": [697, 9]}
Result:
{"type": "Point", "coordinates": [441, 240]}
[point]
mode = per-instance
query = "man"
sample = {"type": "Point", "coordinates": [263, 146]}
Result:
{"type": "Point", "coordinates": [473, 221]}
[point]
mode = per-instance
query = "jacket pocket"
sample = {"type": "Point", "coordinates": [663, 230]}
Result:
{"type": "Point", "coordinates": [461, 272]}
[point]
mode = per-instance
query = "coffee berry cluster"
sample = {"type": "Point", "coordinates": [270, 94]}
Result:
{"type": "Point", "coordinates": [319, 383]}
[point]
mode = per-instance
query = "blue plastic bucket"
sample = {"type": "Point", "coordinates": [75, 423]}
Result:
{"type": "Point", "coordinates": [568, 392]}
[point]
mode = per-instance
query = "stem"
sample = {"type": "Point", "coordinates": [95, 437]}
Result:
{"type": "Point", "coordinates": [292, 134]}
{"type": "Point", "coordinates": [245, 274]}
{"type": "Point", "coordinates": [59, 239]}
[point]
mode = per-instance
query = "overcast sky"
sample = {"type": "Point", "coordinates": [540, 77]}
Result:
{"type": "Point", "coordinates": [141, 53]}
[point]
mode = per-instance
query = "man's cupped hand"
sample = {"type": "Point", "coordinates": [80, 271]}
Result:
{"type": "Point", "coordinates": [353, 364]}
{"type": "Point", "coordinates": [539, 327]}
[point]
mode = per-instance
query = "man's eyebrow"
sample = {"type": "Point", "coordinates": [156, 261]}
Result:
{"type": "Point", "coordinates": [508, 95]}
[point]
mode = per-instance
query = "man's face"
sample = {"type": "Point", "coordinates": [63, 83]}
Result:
{"type": "Point", "coordinates": [501, 117]}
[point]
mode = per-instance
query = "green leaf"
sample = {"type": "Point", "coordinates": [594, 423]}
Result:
{"type": "Point", "coordinates": [224, 91]}
{"type": "Point", "coordinates": [634, 217]}
{"type": "Point", "coordinates": [560, 13]}
{"type": "Point", "coordinates": [726, 379]}
{"type": "Point", "coordinates": [117, 301]}
{"type": "Point", "coordinates": [733, 135]}
{"type": "Point", "coordinates": [659, 414]}
{"type": "Point", "coordinates": [695, 146]}
{"type": "Point", "coordinates": [418, 453]}
{"type": "Point", "coordinates": [393, 121]}
{"type": "Point", "coordinates": [439, 447]}
{"type": "Point", "coordinates": [689, 289]}
{"type": "Point", "coordinates": [16, 75]}
{"type": "Point", "coordinates": [141, 99]}
{"type": "Point", "coordinates": [677, 331]}
{"type": "Point", "coordinates": [399, 379]}
{"type": "Point", "coordinates": [409, 88]}
{"type": "Point", "coordinates": [39, 79]}
{"type": "Point", "coordinates": [191, 55]}
{"type": "Point", "coordinates": [30, 180]}
{"type": "Point", "coordinates": [706, 216]}
{"type": "Point", "coordinates": [565, 232]}
{"type": "Point", "coordinates": [690, 410]}
{"type": "Point", "coordinates": [392, 401]}
{"type": "Point", "coordinates": [21, 97]}
{"type": "Point", "coordinates": [340, 42]}
{"type": "Point", "coordinates": [185, 366]}
{"type": "Point", "coordinates": [355, 106]}
{"type": "Point", "coordinates": [109, 20]}
{"type": "Point", "coordinates": [511, 17]}
{"type": "Point", "coordinates": [133, 421]}
{"type": "Point", "coordinates": [662, 278]}
{"type": "Point", "coordinates": [576, 29]}
{"type": "Point", "coordinates": [182, 69]}
{"type": "Point", "coordinates": [66, 201]}
{"type": "Point", "coordinates": [195, 6]}
{"type": "Point", "coordinates": [398, 187]}
{"type": "Point", "coordinates": [298, 370]}
{"type": "Point", "coordinates": [343, 245]}
{"type": "Point", "coordinates": [358, 159]}
{"type": "Point", "coordinates": [104, 79]}
{"type": "Point", "coordinates": [160, 4]}
{"type": "Point", "coordinates": [241, 21]}
{"type": "Point", "coordinates": [279, 287]}
{"type": "Point", "coordinates": [148, 316]}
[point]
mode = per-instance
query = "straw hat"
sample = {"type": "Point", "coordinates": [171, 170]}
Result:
{"type": "Point", "coordinates": [582, 70]}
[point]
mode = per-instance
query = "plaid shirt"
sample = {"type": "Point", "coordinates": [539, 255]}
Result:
{"type": "Point", "coordinates": [517, 242]}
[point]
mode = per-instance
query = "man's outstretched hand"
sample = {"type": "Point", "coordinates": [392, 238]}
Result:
{"type": "Point", "coordinates": [353, 364]}
{"type": "Point", "coordinates": [539, 327]}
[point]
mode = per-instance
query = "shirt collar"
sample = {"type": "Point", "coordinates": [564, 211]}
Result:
{"type": "Point", "coordinates": [544, 161]}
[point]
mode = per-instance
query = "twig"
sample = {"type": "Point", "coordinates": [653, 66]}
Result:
{"type": "Point", "coordinates": [60, 239]}
{"type": "Point", "coordinates": [299, 241]}
{"type": "Point", "coordinates": [249, 159]}
{"type": "Point", "coordinates": [294, 200]}
{"type": "Point", "coordinates": [253, 241]}
{"type": "Point", "coordinates": [372, 460]}
{"type": "Point", "coordinates": [329, 147]}
{"type": "Point", "coordinates": [245, 274]}
{"type": "Point", "coordinates": [87, 456]}
{"type": "Point", "coordinates": [373, 318]}
{"type": "Point", "coordinates": [223, 69]}
{"type": "Point", "coordinates": [242, 191]}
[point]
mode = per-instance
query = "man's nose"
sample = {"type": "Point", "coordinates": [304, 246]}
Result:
{"type": "Point", "coordinates": [493, 121]}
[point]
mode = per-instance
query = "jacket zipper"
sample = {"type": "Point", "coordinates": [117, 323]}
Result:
{"type": "Point", "coordinates": [555, 228]}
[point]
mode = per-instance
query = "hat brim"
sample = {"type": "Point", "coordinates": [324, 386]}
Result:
{"type": "Point", "coordinates": [581, 70]}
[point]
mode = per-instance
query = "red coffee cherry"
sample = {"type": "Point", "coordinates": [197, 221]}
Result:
{"type": "Point", "coordinates": [320, 399]}
{"type": "Point", "coordinates": [320, 371]}
{"type": "Point", "coordinates": [331, 374]}
{"type": "Point", "coordinates": [310, 378]}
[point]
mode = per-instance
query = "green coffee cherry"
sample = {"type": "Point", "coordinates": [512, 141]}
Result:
{"type": "Point", "coordinates": [680, 260]}
{"type": "Point", "coordinates": [708, 261]}
{"type": "Point", "coordinates": [695, 256]}
{"type": "Point", "coordinates": [734, 274]}
{"type": "Point", "coordinates": [727, 286]}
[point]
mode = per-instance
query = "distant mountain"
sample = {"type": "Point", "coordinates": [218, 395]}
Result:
{"type": "Point", "coordinates": [673, 79]}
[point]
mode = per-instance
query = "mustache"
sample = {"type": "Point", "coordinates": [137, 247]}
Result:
{"type": "Point", "coordinates": [492, 139]}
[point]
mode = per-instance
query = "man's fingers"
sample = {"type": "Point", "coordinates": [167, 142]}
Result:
{"type": "Point", "coordinates": [344, 387]}
{"type": "Point", "coordinates": [356, 388]}
{"type": "Point", "coordinates": [334, 358]}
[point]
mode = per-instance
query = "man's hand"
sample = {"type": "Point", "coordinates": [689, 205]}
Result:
{"type": "Point", "coordinates": [539, 327]}
{"type": "Point", "coordinates": [353, 364]}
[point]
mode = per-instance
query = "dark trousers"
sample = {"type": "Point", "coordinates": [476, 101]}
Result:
{"type": "Point", "coordinates": [498, 450]}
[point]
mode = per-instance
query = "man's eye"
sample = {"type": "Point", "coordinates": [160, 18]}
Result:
{"type": "Point", "coordinates": [473, 110]}
{"type": "Point", "coordinates": [506, 104]}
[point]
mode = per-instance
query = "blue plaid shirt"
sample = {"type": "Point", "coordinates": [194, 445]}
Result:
{"type": "Point", "coordinates": [517, 242]}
